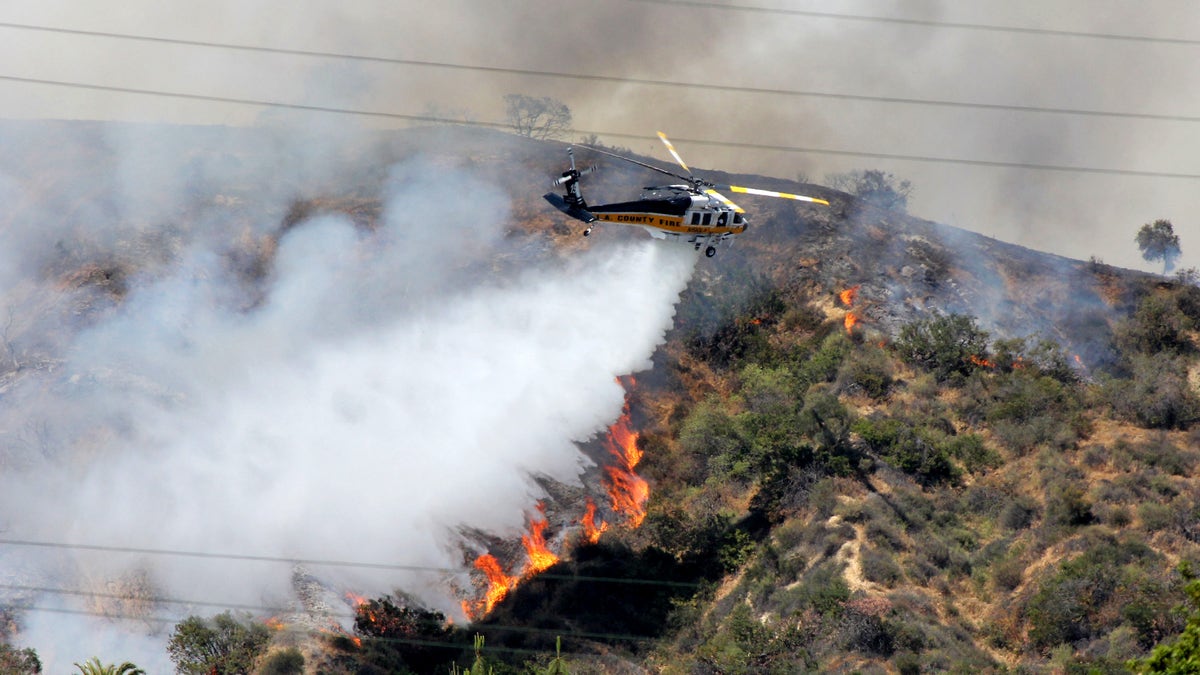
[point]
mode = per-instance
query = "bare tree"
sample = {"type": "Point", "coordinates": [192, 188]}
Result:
{"type": "Point", "coordinates": [539, 118]}
{"type": "Point", "coordinates": [873, 186]}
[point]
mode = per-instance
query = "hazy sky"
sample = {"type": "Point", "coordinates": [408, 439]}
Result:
{"type": "Point", "coordinates": [1075, 214]}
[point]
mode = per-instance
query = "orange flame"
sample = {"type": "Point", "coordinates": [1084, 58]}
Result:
{"type": "Point", "coordinates": [851, 321]}
{"type": "Point", "coordinates": [540, 557]}
{"type": "Point", "coordinates": [627, 491]}
{"type": "Point", "coordinates": [592, 531]}
{"type": "Point", "coordinates": [848, 296]}
{"type": "Point", "coordinates": [499, 585]}
{"type": "Point", "coordinates": [980, 361]}
{"type": "Point", "coordinates": [274, 623]}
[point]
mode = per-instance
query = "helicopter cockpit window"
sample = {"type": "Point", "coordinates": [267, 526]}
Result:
{"type": "Point", "coordinates": [707, 219]}
{"type": "Point", "coordinates": [696, 218]}
{"type": "Point", "coordinates": [737, 218]}
{"type": "Point", "coordinates": [721, 219]}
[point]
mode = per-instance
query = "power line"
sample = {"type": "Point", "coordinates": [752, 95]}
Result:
{"type": "Point", "coordinates": [331, 632]}
{"type": "Point", "coordinates": [650, 82]}
{"type": "Point", "coordinates": [1062, 168]}
{"type": "Point", "coordinates": [928, 23]}
{"type": "Point", "coordinates": [586, 132]}
{"type": "Point", "coordinates": [223, 556]}
{"type": "Point", "coordinates": [277, 611]}
{"type": "Point", "coordinates": [311, 562]}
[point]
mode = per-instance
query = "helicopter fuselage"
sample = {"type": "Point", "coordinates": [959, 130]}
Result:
{"type": "Point", "coordinates": [684, 214]}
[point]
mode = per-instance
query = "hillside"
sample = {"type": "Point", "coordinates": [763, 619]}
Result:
{"type": "Point", "coordinates": [873, 443]}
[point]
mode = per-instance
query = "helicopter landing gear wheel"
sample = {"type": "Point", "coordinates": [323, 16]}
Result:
{"type": "Point", "coordinates": [587, 232]}
{"type": "Point", "coordinates": [710, 252]}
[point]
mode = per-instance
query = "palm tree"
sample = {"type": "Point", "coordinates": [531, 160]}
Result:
{"type": "Point", "coordinates": [94, 667]}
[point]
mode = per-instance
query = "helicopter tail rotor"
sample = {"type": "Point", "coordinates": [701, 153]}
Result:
{"type": "Point", "coordinates": [573, 174]}
{"type": "Point", "coordinates": [572, 203]}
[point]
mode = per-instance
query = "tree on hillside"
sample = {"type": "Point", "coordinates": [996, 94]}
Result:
{"type": "Point", "coordinates": [534, 117]}
{"type": "Point", "coordinates": [221, 644]}
{"type": "Point", "coordinates": [1158, 241]}
{"type": "Point", "coordinates": [19, 661]}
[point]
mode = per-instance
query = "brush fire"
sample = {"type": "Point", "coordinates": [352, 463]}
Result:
{"type": "Point", "coordinates": [848, 297]}
{"type": "Point", "coordinates": [592, 530]}
{"type": "Point", "coordinates": [627, 493]}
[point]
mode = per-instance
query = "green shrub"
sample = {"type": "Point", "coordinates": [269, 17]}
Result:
{"type": "Point", "coordinates": [1007, 574]}
{"type": "Point", "coordinates": [1067, 505]}
{"type": "Point", "coordinates": [975, 455]}
{"type": "Point", "coordinates": [1025, 410]}
{"type": "Point", "coordinates": [1161, 454]}
{"type": "Point", "coordinates": [880, 567]}
{"type": "Point", "coordinates": [907, 664]}
{"type": "Point", "coordinates": [709, 431]}
{"type": "Point", "coordinates": [886, 534]}
{"type": "Point", "coordinates": [1155, 516]}
{"type": "Point", "coordinates": [284, 662]}
{"type": "Point", "coordinates": [1182, 653]}
{"type": "Point", "coordinates": [1019, 514]}
{"type": "Point", "coordinates": [864, 628]}
{"type": "Point", "coordinates": [914, 451]}
{"type": "Point", "coordinates": [1158, 326]}
{"type": "Point", "coordinates": [824, 589]}
{"type": "Point", "coordinates": [824, 363]}
{"type": "Point", "coordinates": [767, 390]}
{"type": "Point", "coordinates": [1089, 593]}
{"type": "Point", "coordinates": [743, 644]}
{"type": "Point", "coordinates": [827, 422]}
{"type": "Point", "coordinates": [1157, 394]}
{"type": "Point", "coordinates": [949, 346]}
{"type": "Point", "coordinates": [868, 373]}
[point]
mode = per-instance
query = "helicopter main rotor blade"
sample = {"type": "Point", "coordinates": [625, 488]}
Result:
{"type": "Point", "coordinates": [772, 193]}
{"type": "Point", "coordinates": [678, 159]}
{"type": "Point", "coordinates": [641, 164]}
{"type": "Point", "coordinates": [724, 200]}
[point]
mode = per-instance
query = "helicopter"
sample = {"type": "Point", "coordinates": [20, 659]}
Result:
{"type": "Point", "coordinates": [694, 212]}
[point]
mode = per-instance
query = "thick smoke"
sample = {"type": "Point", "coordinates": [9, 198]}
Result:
{"type": "Point", "coordinates": [387, 389]}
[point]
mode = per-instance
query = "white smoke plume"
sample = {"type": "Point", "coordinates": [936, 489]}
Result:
{"type": "Point", "coordinates": [387, 390]}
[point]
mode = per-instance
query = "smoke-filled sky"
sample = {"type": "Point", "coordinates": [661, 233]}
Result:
{"type": "Point", "coordinates": [1078, 214]}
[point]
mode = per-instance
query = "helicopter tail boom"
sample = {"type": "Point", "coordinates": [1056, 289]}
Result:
{"type": "Point", "coordinates": [576, 212]}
